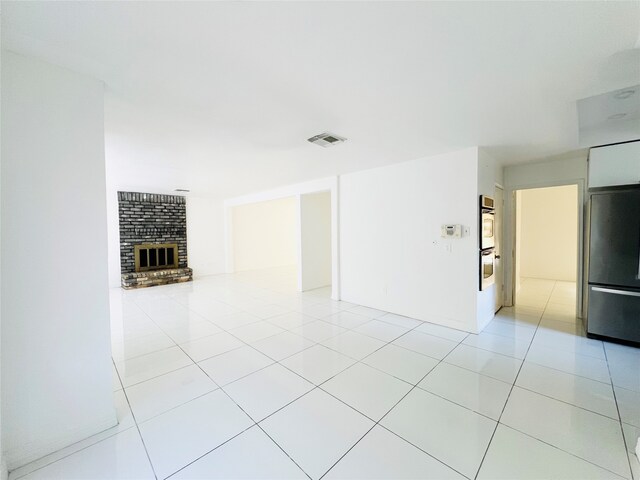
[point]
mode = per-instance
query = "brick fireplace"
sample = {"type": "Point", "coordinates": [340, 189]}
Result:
{"type": "Point", "coordinates": [153, 239]}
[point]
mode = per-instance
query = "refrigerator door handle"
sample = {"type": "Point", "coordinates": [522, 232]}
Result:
{"type": "Point", "coordinates": [616, 292]}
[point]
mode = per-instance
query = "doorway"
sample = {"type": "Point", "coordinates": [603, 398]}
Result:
{"type": "Point", "coordinates": [288, 238]}
{"type": "Point", "coordinates": [546, 247]}
{"type": "Point", "coordinates": [264, 241]}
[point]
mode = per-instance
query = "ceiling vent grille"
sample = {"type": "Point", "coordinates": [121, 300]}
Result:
{"type": "Point", "coordinates": [326, 139]}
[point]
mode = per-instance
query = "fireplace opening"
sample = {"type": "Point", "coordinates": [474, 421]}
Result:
{"type": "Point", "coordinates": [156, 256]}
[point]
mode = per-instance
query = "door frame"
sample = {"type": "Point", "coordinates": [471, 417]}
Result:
{"type": "Point", "coordinates": [510, 234]}
{"type": "Point", "coordinates": [501, 236]}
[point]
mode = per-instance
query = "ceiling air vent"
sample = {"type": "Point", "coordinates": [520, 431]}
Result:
{"type": "Point", "coordinates": [326, 139]}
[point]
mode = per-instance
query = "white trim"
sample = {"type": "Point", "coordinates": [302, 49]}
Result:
{"type": "Point", "coordinates": [502, 243]}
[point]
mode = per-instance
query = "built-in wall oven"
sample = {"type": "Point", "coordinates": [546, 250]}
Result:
{"type": "Point", "coordinates": [487, 268]}
{"type": "Point", "coordinates": [487, 222]}
{"type": "Point", "coordinates": [487, 242]}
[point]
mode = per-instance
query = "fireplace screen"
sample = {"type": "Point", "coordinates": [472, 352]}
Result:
{"type": "Point", "coordinates": [156, 256]}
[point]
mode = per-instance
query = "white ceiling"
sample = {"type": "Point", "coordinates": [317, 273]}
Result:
{"type": "Point", "coordinates": [610, 117]}
{"type": "Point", "coordinates": [219, 97]}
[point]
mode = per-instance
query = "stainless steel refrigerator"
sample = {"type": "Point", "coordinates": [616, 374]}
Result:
{"type": "Point", "coordinates": [614, 264]}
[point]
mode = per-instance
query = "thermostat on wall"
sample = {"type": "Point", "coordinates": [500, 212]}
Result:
{"type": "Point", "coordinates": [451, 231]}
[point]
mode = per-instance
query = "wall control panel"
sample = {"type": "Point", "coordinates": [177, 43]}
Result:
{"type": "Point", "coordinates": [451, 231]}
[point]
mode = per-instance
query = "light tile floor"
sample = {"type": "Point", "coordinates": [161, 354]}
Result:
{"type": "Point", "coordinates": [239, 376]}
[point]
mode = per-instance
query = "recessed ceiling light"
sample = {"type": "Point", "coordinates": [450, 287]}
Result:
{"type": "Point", "coordinates": [181, 190]}
{"type": "Point", "coordinates": [617, 116]}
{"type": "Point", "coordinates": [624, 94]}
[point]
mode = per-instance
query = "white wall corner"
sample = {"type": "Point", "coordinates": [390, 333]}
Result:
{"type": "Point", "coordinates": [113, 235]}
{"type": "Point", "coordinates": [392, 256]}
{"type": "Point", "coordinates": [488, 175]}
{"type": "Point", "coordinates": [53, 140]}
{"type": "Point", "coordinates": [206, 242]}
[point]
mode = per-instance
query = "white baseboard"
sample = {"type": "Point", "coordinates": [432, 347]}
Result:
{"type": "Point", "coordinates": [42, 446]}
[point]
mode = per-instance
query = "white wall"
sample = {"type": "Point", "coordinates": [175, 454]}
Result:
{"type": "Point", "coordinates": [329, 184]}
{"type": "Point", "coordinates": [392, 255]}
{"type": "Point", "coordinates": [489, 173]}
{"type": "Point", "coordinates": [549, 233]}
{"type": "Point", "coordinates": [113, 236]}
{"type": "Point", "coordinates": [56, 365]}
{"type": "Point", "coordinates": [265, 234]}
{"type": "Point", "coordinates": [205, 235]}
{"type": "Point", "coordinates": [518, 245]}
{"type": "Point", "coordinates": [315, 240]}
{"type": "Point", "coordinates": [540, 174]}
{"type": "Point", "coordinates": [565, 170]}
{"type": "Point", "coordinates": [3, 463]}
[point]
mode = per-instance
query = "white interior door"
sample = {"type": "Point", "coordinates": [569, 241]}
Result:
{"type": "Point", "coordinates": [499, 289]}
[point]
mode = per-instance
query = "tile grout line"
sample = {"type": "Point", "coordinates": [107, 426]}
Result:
{"type": "Point", "coordinates": [236, 404]}
{"type": "Point", "coordinates": [318, 387]}
{"type": "Point", "coordinates": [563, 451]}
{"type": "Point", "coordinates": [135, 421]}
{"type": "Point", "coordinates": [568, 403]}
{"type": "Point", "coordinates": [535, 438]}
{"type": "Point", "coordinates": [267, 319]}
{"type": "Point", "coordinates": [102, 439]}
{"type": "Point", "coordinates": [290, 330]}
{"type": "Point", "coordinates": [504, 407]}
{"type": "Point", "coordinates": [306, 393]}
{"type": "Point", "coordinates": [243, 410]}
{"type": "Point", "coordinates": [615, 398]}
{"type": "Point", "coordinates": [387, 413]}
{"type": "Point", "coordinates": [356, 361]}
{"type": "Point", "coordinates": [293, 354]}
{"type": "Point", "coordinates": [561, 401]}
